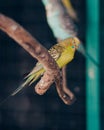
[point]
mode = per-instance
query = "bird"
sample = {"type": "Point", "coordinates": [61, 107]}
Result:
{"type": "Point", "coordinates": [62, 52]}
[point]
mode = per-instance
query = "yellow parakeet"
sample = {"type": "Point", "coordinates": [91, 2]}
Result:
{"type": "Point", "coordinates": [63, 53]}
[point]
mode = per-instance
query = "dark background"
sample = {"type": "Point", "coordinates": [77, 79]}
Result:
{"type": "Point", "coordinates": [27, 110]}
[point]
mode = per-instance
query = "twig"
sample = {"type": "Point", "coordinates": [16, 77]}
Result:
{"type": "Point", "coordinates": [65, 88]}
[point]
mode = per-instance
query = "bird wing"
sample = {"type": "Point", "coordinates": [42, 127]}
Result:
{"type": "Point", "coordinates": [55, 52]}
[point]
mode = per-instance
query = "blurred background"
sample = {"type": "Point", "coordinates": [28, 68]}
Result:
{"type": "Point", "coordinates": [27, 110]}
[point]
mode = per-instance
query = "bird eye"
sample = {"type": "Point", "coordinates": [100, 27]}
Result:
{"type": "Point", "coordinates": [73, 46]}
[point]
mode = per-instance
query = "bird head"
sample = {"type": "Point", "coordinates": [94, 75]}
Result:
{"type": "Point", "coordinates": [74, 43]}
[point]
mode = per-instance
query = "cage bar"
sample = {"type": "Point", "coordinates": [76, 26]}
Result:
{"type": "Point", "coordinates": [92, 71]}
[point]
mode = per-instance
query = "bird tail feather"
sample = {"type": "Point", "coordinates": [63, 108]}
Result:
{"type": "Point", "coordinates": [29, 80]}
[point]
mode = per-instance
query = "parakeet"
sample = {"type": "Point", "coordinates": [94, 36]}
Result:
{"type": "Point", "coordinates": [63, 53]}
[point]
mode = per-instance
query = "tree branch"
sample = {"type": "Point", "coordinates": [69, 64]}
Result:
{"type": "Point", "coordinates": [34, 48]}
{"type": "Point", "coordinates": [65, 88]}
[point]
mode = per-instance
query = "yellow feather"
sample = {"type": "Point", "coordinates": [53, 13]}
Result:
{"type": "Point", "coordinates": [65, 57]}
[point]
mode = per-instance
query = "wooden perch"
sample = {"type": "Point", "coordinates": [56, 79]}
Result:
{"type": "Point", "coordinates": [35, 49]}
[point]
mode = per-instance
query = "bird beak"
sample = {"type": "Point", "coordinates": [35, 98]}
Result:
{"type": "Point", "coordinates": [77, 43]}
